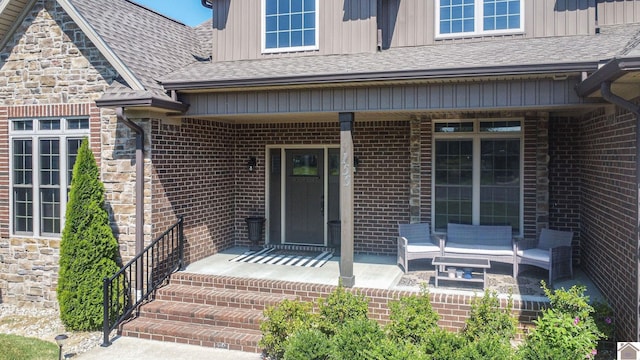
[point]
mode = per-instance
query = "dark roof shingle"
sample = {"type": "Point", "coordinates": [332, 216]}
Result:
{"type": "Point", "coordinates": [611, 42]}
{"type": "Point", "coordinates": [149, 44]}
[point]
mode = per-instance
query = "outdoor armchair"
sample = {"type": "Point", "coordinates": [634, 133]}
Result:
{"type": "Point", "coordinates": [414, 242]}
{"type": "Point", "coordinates": [553, 253]}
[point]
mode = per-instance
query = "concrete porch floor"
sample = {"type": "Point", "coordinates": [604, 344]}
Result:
{"type": "Point", "coordinates": [371, 271]}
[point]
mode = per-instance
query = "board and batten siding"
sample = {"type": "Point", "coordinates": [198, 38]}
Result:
{"type": "Point", "coordinates": [345, 26]}
{"type": "Point", "coordinates": [618, 12]}
{"type": "Point", "coordinates": [412, 22]}
{"type": "Point", "coordinates": [486, 95]}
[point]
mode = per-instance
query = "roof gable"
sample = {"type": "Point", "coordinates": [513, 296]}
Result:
{"type": "Point", "coordinates": [140, 44]}
{"type": "Point", "coordinates": [149, 43]}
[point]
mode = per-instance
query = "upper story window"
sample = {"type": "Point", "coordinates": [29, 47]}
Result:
{"type": "Point", "coordinates": [289, 25]}
{"type": "Point", "coordinates": [43, 152]}
{"type": "Point", "coordinates": [476, 17]}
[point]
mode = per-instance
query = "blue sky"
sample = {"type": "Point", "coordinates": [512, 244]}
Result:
{"type": "Point", "coordinates": [190, 12]}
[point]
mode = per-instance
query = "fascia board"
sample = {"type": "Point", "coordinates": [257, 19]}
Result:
{"type": "Point", "coordinates": [152, 102]}
{"type": "Point", "coordinates": [102, 46]}
{"type": "Point", "coordinates": [407, 75]}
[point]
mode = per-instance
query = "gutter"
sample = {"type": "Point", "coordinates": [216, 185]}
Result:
{"type": "Point", "coordinates": [611, 71]}
{"type": "Point", "coordinates": [152, 101]}
{"type": "Point", "coordinates": [402, 75]}
{"type": "Point", "coordinates": [207, 4]}
{"type": "Point", "coordinates": [139, 193]}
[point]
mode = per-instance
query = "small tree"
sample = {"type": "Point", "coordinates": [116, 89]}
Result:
{"type": "Point", "coordinates": [88, 250]}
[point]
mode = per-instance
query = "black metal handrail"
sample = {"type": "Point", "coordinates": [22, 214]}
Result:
{"type": "Point", "coordinates": [125, 291]}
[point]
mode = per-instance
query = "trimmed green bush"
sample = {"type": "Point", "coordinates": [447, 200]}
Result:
{"type": "Point", "coordinates": [566, 330]}
{"type": "Point", "coordinates": [486, 347]}
{"type": "Point", "coordinates": [412, 318]}
{"type": "Point", "coordinates": [307, 344]}
{"type": "Point", "coordinates": [355, 338]}
{"type": "Point", "coordinates": [442, 344]}
{"type": "Point", "coordinates": [488, 318]}
{"type": "Point", "coordinates": [388, 349]}
{"type": "Point", "coordinates": [281, 322]}
{"type": "Point", "coordinates": [88, 249]}
{"type": "Point", "coordinates": [339, 307]}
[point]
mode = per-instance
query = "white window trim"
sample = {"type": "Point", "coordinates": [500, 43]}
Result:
{"type": "Point", "coordinates": [476, 136]}
{"type": "Point", "coordinates": [263, 32]}
{"type": "Point", "coordinates": [478, 23]}
{"type": "Point", "coordinates": [35, 135]}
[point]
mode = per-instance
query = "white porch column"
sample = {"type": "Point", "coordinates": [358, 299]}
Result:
{"type": "Point", "coordinates": [346, 199]}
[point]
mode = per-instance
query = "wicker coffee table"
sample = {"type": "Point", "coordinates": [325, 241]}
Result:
{"type": "Point", "coordinates": [460, 263]}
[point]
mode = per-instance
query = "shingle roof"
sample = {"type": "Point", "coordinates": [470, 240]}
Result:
{"type": "Point", "coordinates": [204, 33]}
{"type": "Point", "coordinates": [612, 41]}
{"type": "Point", "coordinates": [149, 44]}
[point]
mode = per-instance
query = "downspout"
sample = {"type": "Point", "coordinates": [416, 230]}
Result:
{"type": "Point", "coordinates": [605, 89]}
{"type": "Point", "coordinates": [139, 194]}
{"type": "Point", "coordinates": [207, 4]}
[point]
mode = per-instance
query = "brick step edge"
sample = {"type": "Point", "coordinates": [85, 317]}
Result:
{"type": "Point", "coordinates": [220, 297]}
{"type": "Point", "coordinates": [249, 284]}
{"type": "Point", "coordinates": [202, 314]}
{"type": "Point", "coordinates": [193, 334]}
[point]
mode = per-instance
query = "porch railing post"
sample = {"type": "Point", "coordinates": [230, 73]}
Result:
{"type": "Point", "coordinates": [105, 321]}
{"type": "Point", "coordinates": [181, 243]}
{"type": "Point", "coordinates": [134, 273]}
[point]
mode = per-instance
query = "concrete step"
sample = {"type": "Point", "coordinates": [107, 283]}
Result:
{"type": "Point", "coordinates": [194, 334]}
{"type": "Point", "coordinates": [202, 314]}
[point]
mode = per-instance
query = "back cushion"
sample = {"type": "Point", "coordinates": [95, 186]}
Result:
{"type": "Point", "coordinates": [495, 235]}
{"type": "Point", "coordinates": [550, 238]}
{"type": "Point", "coordinates": [415, 233]}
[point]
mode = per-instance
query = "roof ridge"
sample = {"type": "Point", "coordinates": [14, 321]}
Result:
{"type": "Point", "coordinates": [157, 13]}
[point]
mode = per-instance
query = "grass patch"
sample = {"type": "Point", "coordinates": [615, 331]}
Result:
{"type": "Point", "coordinates": [16, 347]}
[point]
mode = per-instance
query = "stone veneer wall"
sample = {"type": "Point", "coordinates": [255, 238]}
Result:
{"type": "Point", "coordinates": [608, 212]}
{"type": "Point", "coordinates": [50, 69]}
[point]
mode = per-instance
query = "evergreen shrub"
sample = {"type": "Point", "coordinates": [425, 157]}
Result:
{"type": "Point", "coordinates": [88, 249]}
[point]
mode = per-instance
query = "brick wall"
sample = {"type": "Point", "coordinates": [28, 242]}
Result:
{"type": "Point", "coordinates": [193, 176]}
{"type": "Point", "coordinates": [381, 190]}
{"type": "Point", "coordinates": [382, 185]}
{"type": "Point", "coordinates": [564, 182]}
{"type": "Point", "coordinates": [453, 308]}
{"type": "Point", "coordinates": [43, 74]}
{"type": "Point", "coordinates": [608, 220]}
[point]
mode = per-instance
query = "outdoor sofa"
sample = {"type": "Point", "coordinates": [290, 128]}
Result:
{"type": "Point", "coordinates": [493, 242]}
